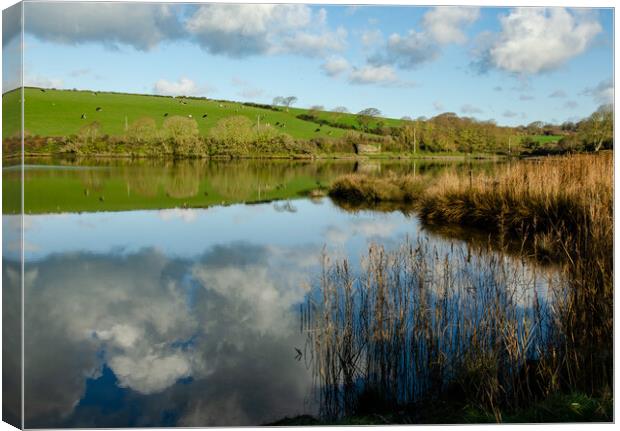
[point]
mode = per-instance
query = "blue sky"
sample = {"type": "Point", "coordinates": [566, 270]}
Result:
{"type": "Point", "coordinates": [512, 65]}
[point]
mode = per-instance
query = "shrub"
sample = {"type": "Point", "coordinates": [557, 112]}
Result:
{"type": "Point", "coordinates": [232, 135]}
{"type": "Point", "coordinates": [183, 136]}
{"type": "Point", "coordinates": [142, 131]}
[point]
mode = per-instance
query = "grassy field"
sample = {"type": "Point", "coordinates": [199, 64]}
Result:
{"type": "Point", "coordinates": [545, 139]}
{"type": "Point", "coordinates": [59, 113]}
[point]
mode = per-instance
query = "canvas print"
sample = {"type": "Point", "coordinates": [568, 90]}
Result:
{"type": "Point", "coordinates": [229, 214]}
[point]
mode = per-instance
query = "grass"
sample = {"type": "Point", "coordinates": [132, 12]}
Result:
{"type": "Point", "coordinates": [545, 139]}
{"type": "Point", "coordinates": [58, 113]}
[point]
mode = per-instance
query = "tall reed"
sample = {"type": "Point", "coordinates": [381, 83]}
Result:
{"type": "Point", "coordinates": [417, 322]}
{"type": "Point", "coordinates": [419, 325]}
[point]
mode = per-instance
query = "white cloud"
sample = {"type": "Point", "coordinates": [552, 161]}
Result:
{"type": "Point", "coordinates": [438, 106]}
{"type": "Point", "coordinates": [534, 40]}
{"type": "Point", "coordinates": [142, 26]}
{"type": "Point", "coordinates": [334, 66]}
{"type": "Point", "coordinates": [407, 51]}
{"type": "Point", "coordinates": [373, 75]}
{"type": "Point", "coordinates": [444, 24]}
{"type": "Point", "coordinates": [371, 37]}
{"type": "Point", "coordinates": [240, 30]}
{"type": "Point", "coordinates": [602, 93]}
{"type": "Point", "coordinates": [41, 81]}
{"type": "Point", "coordinates": [440, 26]}
{"type": "Point", "coordinates": [182, 87]}
{"type": "Point", "coordinates": [313, 44]}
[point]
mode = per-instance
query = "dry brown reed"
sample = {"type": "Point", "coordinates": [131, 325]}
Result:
{"type": "Point", "coordinates": [408, 327]}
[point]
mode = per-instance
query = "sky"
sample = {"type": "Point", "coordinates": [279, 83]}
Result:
{"type": "Point", "coordinates": [511, 65]}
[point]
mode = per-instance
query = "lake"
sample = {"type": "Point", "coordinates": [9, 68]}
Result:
{"type": "Point", "coordinates": [169, 294]}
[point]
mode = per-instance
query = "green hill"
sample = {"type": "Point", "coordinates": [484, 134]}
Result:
{"type": "Point", "coordinates": [59, 113]}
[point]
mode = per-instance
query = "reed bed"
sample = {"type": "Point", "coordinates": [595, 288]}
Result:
{"type": "Point", "coordinates": [413, 326]}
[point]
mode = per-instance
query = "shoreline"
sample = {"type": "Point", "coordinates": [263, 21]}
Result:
{"type": "Point", "coordinates": [338, 156]}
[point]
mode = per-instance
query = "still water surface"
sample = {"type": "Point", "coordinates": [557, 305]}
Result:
{"type": "Point", "coordinates": [182, 311]}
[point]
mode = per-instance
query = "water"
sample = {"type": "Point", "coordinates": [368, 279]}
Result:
{"type": "Point", "coordinates": [183, 310]}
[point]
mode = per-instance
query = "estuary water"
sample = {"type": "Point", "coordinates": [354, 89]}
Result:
{"type": "Point", "coordinates": [168, 294]}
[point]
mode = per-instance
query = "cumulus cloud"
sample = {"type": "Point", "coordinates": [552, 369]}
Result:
{"type": "Point", "coordinates": [313, 44]}
{"type": "Point", "coordinates": [444, 24]}
{"type": "Point", "coordinates": [142, 26]}
{"type": "Point", "coordinates": [602, 93]}
{"type": "Point", "coordinates": [406, 51]}
{"type": "Point", "coordinates": [372, 75]}
{"type": "Point", "coordinates": [335, 65]}
{"type": "Point", "coordinates": [534, 40]}
{"type": "Point", "coordinates": [182, 87]}
{"type": "Point", "coordinates": [371, 37]}
{"type": "Point", "coordinates": [440, 26]}
{"type": "Point", "coordinates": [471, 109]}
{"type": "Point", "coordinates": [240, 30]}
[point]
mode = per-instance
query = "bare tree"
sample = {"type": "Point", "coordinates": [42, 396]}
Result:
{"type": "Point", "coordinates": [371, 112]}
{"type": "Point", "coordinates": [284, 101]}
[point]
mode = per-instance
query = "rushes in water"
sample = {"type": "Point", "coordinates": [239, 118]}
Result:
{"type": "Point", "coordinates": [417, 324]}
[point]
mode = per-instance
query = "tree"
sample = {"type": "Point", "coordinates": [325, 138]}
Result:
{"type": "Point", "coordinates": [340, 109]}
{"type": "Point", "coordinates": [233, 135]}
{"type": "Point", "coordinates": [182, 133]}
{"type": "Point", "coordinates": [371, 112]}
{"type": "Point", "coordinates": [141, 131]}
{"type": "Point", "coordinates": [284, 101]}
{"type": "Point", "coordinates": [365, 116]}
{"type": "Point", "coordinates": [288, 101]}
{"type": "Point", "coordinates": [598, 128]}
